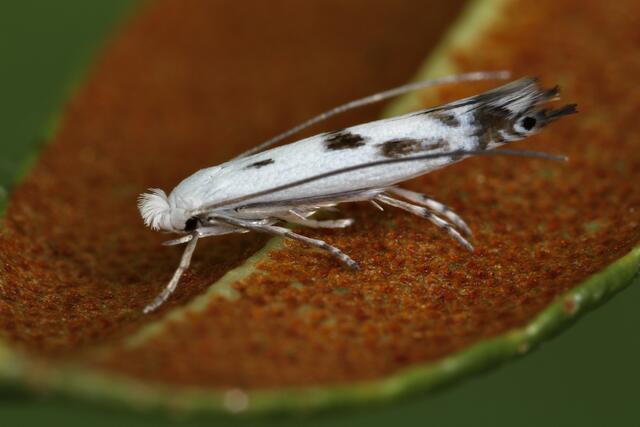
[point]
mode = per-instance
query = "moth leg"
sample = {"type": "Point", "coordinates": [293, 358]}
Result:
{"type": "Point", "coordinates": [173, 283]}
{"type": "Point", "coordinates": [434, 206]}
{"type": "Point", "coordinates": [298, 218]}
{"type": "Point", "coordinates": [178, 241]}
{"type": "Point", "coordinates": [376, 205]}
{"type": "Point", "coordinates": [284, 232]}
{"type": "Point", "coordinates": [425, 213]}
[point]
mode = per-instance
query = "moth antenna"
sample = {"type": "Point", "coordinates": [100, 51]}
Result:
{"type": "Point", "coordinates": [453, 154]}
{"type": "Point", "coordinates": [377, 97]}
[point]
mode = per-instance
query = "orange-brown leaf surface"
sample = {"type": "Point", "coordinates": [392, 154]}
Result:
{"type": "Point", "coordinates": [190, 83]}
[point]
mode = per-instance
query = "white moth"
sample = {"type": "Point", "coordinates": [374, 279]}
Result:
{"type": "Point", "coordinates": [262, 191]}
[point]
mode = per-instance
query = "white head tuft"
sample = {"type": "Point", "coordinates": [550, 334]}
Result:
{"type": "Point", "coordinates": [154, 208]}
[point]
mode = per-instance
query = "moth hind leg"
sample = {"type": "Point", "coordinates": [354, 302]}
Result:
{"type": "Point", "coordinates": [424, 212]}
{"type": "Point", "coordinates": [434, 206]}
{"type": "Point", "coordinates": [284, 232]}
{"type": "Point", "coordinates": [301, 218]}
{"type": "Point", "coordinates": [344, 258]}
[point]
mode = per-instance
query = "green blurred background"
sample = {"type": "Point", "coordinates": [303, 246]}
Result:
{"type": "Point", "coordinates": [589, 376]}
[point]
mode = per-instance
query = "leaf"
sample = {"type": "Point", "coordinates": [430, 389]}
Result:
{"type": "Point", "coordinates": [420, 315]}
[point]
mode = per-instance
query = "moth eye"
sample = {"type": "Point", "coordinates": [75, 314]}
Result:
{"type": "Point", "coordinates": [191, 224]}
{"type": "Point", "coordinates": [529, 122]}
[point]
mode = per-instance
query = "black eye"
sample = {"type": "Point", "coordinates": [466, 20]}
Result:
{"type": "Point", "coordinates": [191, 224]}
{"type": "Point", "coordinates": [528, 123]}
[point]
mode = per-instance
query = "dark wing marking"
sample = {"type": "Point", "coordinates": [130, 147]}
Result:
{"type": "Point", "coordinates": [400, 147]}
{"type": "Point", "coordinates": [259, 164]}
{"type": "Point", "coordinates": [377, 97]}
{"type": "Point", "coordinates": [403, 146]}
{"type": "Point", "coordinates": [447, 119]}
{"type": "Point", "coordinates": [343, 140]}
{"type": "Point", "coordinates": [499, 97]}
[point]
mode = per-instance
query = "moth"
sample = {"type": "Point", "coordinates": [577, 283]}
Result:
{"type": "Point", "coordinates": [263, 191]}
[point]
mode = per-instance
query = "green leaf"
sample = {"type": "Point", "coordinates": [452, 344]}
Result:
{"type": "Point", "coordinates": [46, 47]}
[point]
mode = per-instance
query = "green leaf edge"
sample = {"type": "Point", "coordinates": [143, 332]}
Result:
{"type": "Point", "coordinates": [21, 372]}
{"type": "Point", "coordinates": [17, 370]}
{"type": "Point", "coordinates": [70, 86]}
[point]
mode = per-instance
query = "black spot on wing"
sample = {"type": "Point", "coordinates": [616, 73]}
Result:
{"type": "Point", "coordinates": [261, 163]}
{"type": "Point", "coordinates": [343, 140]}
{"type": "Point", "coordinates": [404, 146]}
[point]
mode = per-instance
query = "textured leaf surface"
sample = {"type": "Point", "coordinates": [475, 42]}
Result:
{"type": "Point", "coordinates": [340, 322]}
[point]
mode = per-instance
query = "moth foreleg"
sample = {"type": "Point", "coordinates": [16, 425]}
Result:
{"type": "Point", "coordinates": [173, 283]}
{"type": "Point", "coordinates": [298, 218]}
{"type": "Point", "coordinates": [284, 232]}
{"type": "Point", "coordinates": [425, 213]}
{"type": "Point", "coordinates": [433, 205]}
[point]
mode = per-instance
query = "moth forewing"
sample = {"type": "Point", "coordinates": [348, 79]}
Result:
{"type": "Point", "coordinates": [365, 162]}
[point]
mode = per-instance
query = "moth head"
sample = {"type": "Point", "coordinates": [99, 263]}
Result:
{"type": "Point", "coordinates": [158, 214]}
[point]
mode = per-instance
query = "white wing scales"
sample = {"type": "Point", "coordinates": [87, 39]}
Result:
{"type": "Point", "coordinates": [480, 122]}
{"type": "Point", "coordinates": [391, 138]}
